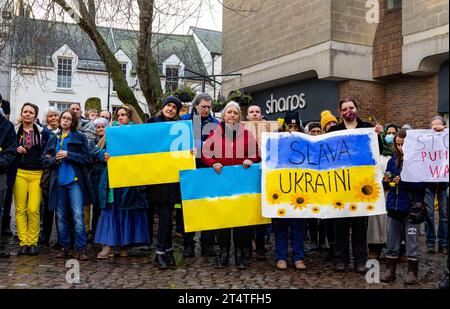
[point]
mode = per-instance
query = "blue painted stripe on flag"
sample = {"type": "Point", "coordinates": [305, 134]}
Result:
{"type": "Point", "coordinates": [294, 151]}
{"type": "Point", "coordinates": [206, 183]}
{"type": "Point", "coordinates": [150, 138]}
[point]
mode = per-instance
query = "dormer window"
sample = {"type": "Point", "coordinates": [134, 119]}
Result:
{"type": "Point", "coordinates": [172, 77]}
{"type": "Point", "coordinates": [65, 73]}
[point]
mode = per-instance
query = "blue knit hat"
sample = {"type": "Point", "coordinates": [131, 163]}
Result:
{"type": "Point", "coordinates": [174, 100]}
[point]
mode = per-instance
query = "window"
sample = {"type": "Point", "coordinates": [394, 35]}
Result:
{"type": "Point", "coordinates": [60, 106]}
{"type": "Point", "coordinates": [172, 78]}
{"type": "Point", "coordinates": [394, 4]}
{"type": "Point", "coordinates": [123, 67]}
{"type": "Point", "coordinates": [64, 73]}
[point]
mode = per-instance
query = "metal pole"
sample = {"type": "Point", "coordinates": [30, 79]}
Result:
{"type": "Point", "coordinates": [109, 82]}
{"type": "Point", "coordinates": [213, 56]}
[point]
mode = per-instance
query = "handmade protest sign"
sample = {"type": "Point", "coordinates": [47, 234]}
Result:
{"type": "Point", "coordinates": [257, 128]}
{"type": "Point", "coordinates": [425, 156]}
{"type": "Point", "coordinates": [149, 154]}
{"type": "Point", "coordinates": [328, 176]}
{"type": "Point", "coordinates": [231, 199]}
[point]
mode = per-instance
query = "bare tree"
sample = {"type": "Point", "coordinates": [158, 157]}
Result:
{"type": "Point", "coordinates": [141, 17]}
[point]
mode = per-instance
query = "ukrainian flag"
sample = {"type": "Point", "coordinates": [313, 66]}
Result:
{"type": "Point", "coordinates": [231, 199]}
{"type": "Point", "coordinates": [149, 154]}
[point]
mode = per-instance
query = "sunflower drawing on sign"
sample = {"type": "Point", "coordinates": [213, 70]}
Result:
{"type": "Point", "coordinates": [367, 190]}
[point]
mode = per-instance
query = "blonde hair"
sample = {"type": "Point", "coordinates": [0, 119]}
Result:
{"type": "Point", "coordinates": [131, 113]}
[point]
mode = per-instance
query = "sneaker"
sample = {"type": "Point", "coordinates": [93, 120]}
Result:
{"type": "Point", "coordinates": [300, 265]}
{"type": "Point", "coordinates": [106, 253]}
{"type": "Point", "coordinates": [282, 265]}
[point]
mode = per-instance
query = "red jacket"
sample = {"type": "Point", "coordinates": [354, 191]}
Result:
{"type": "Point", "coordinates": [219, 148]}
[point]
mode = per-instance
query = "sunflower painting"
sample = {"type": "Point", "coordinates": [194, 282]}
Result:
{"type": "Point", "coordinates": [315, 210]}
{"type": "Point", "coordinates": [273, 197]}
{"type": "Point", "coordinates": [339, 205]}
{"type": "Point", "coordinates": [370, 208]}
{"type": "Point", "coordinates": [281, 212]}
{"type": "Point", "coordinates": [299, 201]}
{"type": "Point", "coordinates": [367, 191]}
{"type": "Point", "coordinates": [353, 207]}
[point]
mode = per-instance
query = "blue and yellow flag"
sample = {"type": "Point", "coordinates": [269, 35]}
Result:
{"type": "Point", "coordinates": [149, 154]}
{"type": "Point", "coordinates": [231, 199]}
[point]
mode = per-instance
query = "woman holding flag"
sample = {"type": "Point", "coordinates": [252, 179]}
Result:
{"type": "Point", "coordinates": [123, 219]}
{"type": "Point", "coordinates": [222, 148]}
{"type": "Point", "coordinates": [163, 197]}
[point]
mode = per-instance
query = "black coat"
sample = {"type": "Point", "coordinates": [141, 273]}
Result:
{"type": "Point", "coordinates": [163, 193]}
{"type": "Point", "coordinates": [79, 157]}
{"type": "Point", "coordinates": [8, 144]}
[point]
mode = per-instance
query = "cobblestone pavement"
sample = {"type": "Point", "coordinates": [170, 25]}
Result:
{"type": "Point", "coordinates": [138, 271]}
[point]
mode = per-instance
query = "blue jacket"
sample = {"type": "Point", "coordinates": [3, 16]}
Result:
{"type": "Point", "coordinates": [8, 144]}
{"type": "Point", "coordinates": [79, 157]}
{"type": "Point", "coordinates": [399, 198]}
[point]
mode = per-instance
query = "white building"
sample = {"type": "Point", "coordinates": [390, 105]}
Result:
{"type": "Point", "coordinates": [56, 64]}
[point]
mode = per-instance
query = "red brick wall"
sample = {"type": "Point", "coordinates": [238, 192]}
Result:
{"type": "Point", "coordinates": [370, 96]}
{"type": "Point", "coordinates": [387, 45]}
{"type": "Point", "coordinates": [412, 100]}
{"type": "Point", "coordinates": [407, 99]}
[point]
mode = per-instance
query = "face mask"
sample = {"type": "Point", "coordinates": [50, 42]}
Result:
{"type": "Point", "coordinates": [350, 116]}
{"type": "Point", "coordinates": [389, 139]}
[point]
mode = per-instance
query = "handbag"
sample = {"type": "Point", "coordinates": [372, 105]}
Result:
{"type": "Point", "coordinates": [45, 179]}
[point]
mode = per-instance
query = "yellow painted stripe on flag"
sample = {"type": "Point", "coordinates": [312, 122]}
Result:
{"type": "Point", "coordinates": [148, 169]}
{"type": "Point", "coordinates": [223, 212]}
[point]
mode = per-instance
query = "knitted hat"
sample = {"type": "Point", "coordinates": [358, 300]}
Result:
{"type": "Point", "coordinates": [174, 100]}
{"type": "Point", "coordinates": [327, 117]}
{"type": "Point", "coordinates": [292, 117]}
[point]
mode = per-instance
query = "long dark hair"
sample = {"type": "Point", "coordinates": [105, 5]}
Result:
{"type": "Point", "coordinates": [73, 124]}
{"type": "Point", "coordinates": [398, 153]}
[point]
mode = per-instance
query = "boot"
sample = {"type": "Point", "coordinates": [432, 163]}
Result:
{"type": "Point", "coordinates": [389, 274]}
{"type": "Point", "coordinates": [413, 269]}
{"type": "Point", "coordinates": [189, 251]}
{"type": "Point", "coordinates": [170, 259]}
{"type": "Point", "coordinates": [64, 253]}
{"type": "Point", "coordinates": [239, 255]}
{"type": "Point", "coordinates": [82, 255]}
{"type": "Point", "coordinates": [443, 285]}
{"type": "Point", "coordinates": [223, 257]}
{"type": "Point", "coordinates": [161, 261]}
{"type": "Point", "coordinates": [4, 254]}
{"type": "Point", "coordinates": [208, 250]}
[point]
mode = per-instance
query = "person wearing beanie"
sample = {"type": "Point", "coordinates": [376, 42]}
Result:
{"type": "Point", "coordinates": [175, 104]}
{"type": "Point", "coordinates": [328, 120]}
{"type": "Point", "coordinates": [292, 122]}
{"type": "Point", "coordinates": [163, 197]}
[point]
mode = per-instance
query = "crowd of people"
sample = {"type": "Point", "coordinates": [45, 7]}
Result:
{"type": "Point", "coordinates": [59, 167]}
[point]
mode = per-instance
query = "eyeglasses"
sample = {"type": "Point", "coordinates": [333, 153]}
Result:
{"type": "Point", "coordinates": [66, 118]}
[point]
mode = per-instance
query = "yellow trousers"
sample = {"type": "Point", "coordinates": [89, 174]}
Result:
{"type": "Point", "coordinates": [27, 200]}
